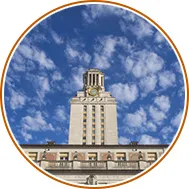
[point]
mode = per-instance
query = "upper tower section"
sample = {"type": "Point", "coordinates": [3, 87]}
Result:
{"type": "Point", "coordinates": [93, 81]}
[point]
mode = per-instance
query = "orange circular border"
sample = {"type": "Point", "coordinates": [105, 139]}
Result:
{"type": "Point", "coordinates": [78, 3]}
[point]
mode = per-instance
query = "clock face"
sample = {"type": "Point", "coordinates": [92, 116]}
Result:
{"type": "Point", "coordinates": [93, 91]}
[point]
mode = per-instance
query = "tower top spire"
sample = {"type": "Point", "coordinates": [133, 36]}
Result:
{"type": "Point", "coordinates": [93, 77]}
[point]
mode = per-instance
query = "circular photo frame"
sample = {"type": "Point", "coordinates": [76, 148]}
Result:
{"type": "Point", "coordinates": [120, 87]}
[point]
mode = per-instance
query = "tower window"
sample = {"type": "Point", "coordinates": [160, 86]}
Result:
{"type": "Point", "coordinates": [84, 123]}
{"type": "Point", "coordinates": [90, 79]}
{"type": "Point", "coordinates": [92, 156]}
{"type": "Point", "coordinates": [152, 156]}
{"type": "Point", "coordinates": [33, 156]}
{"type": "Point", "coordinates": [93, 79]}
{"type": "Point", "coordinates": [63, 156]}
{"type": "Point", "coordinates": [102, 108]}
{"type": "Point", "coordinates": [97, 76]}
{"type": "Point", "coordinates": [121, 156]}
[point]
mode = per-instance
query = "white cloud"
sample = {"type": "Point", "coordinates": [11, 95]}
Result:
{"type": "Point", "coordinates": [75, 53]}
{"type": "Point", "coordinates": [36, 123]}
{"type": "Point", "coordinates": [101, 61]}
{"type": "Point", "coordinates": [60, 114]}
{"type": "Point", "coordinates": [140, 28]}
{"type": "Point", "coordinates": [142, 63]}
{"type": "Point", "coordinates": [123, 140]}
{"type": "Point", "coordinates": [27, 136]}
{"type": "Point", "coordinates": [148, 84]}
{"type": "Point", "coordinates": [56, 76]}
{"type": "Point", "coordinates": [151, 126]}
{"type": "Point", "coordinates": [93, 12]}
{"type": "Point", "coordinates": [162, 102]}
{"type": "Point", "coordinates": [166, 79]}
{"type": "Point", "coordinates": [18, 62]}
{"type": "Point", "coordinates": [158, 37]}
{"type": "Point", "coordinates": [57, 39]}
{"type": "Point", "coordinates": [34, 54]}
{"type": "Point", "coordinates": [74, 83]}
{"type": "Point", "coordinates": [136, 119]}
{"type": "Point", "coordinates": [43, 87]}
{"type": "Point", "coordinates": [105, 47]}
{"type": "Point", "coordinates": [124, 92]}
{"type": "Point", "coordinates": [17, 99]}
{"type": "Point", "coordinates": [147, 139]}
{"type": "Point", "coordinates": [166, 132]}
{"type": "Point", "coordinates": [157, 115]}
{"type": "Point", "coordinates": [129, 21]}
{"type": "Point", "coordinates": [177, 67]}
{"type": "Point", "coordinates": [177, 119]}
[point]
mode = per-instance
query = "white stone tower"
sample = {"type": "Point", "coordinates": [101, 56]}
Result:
{"type": "Point", "coordinates": [93, 115]}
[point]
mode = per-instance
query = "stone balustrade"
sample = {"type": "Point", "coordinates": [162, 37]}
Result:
{"type": "Point", "coordinates": [99, 165]}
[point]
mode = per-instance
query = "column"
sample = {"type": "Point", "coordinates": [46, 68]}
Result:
{"type": "Point", "coordinates": [87, 79]}
{"type": "Point", "coordinates": [97, 79]}
{"type": "Point", "coordinates": [89, 125]}
{"type": "Point", "coordinates": [98, 126]}
{"type": "Point", "coordinates": [91, 79]}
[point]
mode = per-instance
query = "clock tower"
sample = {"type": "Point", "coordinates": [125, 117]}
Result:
{"type": "Point", "coordinates": [93, 115]}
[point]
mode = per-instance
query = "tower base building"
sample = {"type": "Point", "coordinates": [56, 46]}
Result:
{"type": "Point", "coordinates": [93, 155]}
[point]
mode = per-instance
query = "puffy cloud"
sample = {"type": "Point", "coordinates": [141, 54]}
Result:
{"type": "Point", "coordinates": [60, 114]}
{"type": "Point", "coordinates": [151, 126]}
{"type": "Point", "coordinates": [123, 140]}
{"type": "Point", "coordinates": [166, 132]}
{"type": "Point", "coordinates": [166, 79]}
{"type": "Point", "coordinates": [18, 62]}
{"type": "Point", "coordinates": [158, 37]}
{"type": "Point", "coordinates": [101, 61]}
{"type": "Point", "coordinates": [75, 82]}
{"type": "Point", "coordinates": [124, 92]}
{"type": "Point", "coordinates": [147, 139]}
{"type": "Point", "coordinates": [142, 63]}
{"type": "Point", "coordinates": [157, 115]}
{"type": "Point", "coordinates": [129, 21]}
{"type": "Point", "coordinates": [148, 84]}
{"type": "Point", "coordinates": [92, 13]}
{"type": "Point", "coordinates": [175, 121]}
{"type": "Point", "coordinates": [105, 47]}
{"type": "Point", "coordinates": [75, 52]}
{"type": "Point", "coordinates": [162, 102]}
{"type": "Point", "coordinates": [138, 27]}
{"type": "Point", "coordinates": [34, 123]}
{"type": "Point", "coordinates": [17, 99]}
{"type": "Point", "coordinates": [57, 39]}
{"type": "Point", "coordinates": [36, 55]}
{"type": "Point", "coordinates": [43, 87]}
{"type": "Point", "coordinates": [136, 119]}
{"type": "Point", "coordinates": [27, 137]}
{"type": "Point", "coordinates": [56, 76]}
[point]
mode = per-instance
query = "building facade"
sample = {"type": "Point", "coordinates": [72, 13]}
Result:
{"type": "Point", "coordinates": [93, 116]}
{"type": "Point", "coordinates": [93, 155]}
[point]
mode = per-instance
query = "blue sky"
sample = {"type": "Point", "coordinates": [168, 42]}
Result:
{"type": "Point", "coordinates": [141, 71]}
